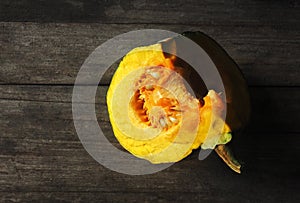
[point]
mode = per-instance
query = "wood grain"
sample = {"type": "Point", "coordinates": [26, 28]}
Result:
{"type": "Point", "coordinates": [42, 47]}
{"type": "Point", "coordinates": [31, 168]}
{"type": "Point", "coordinates": [158, 11]}
{"type": "Point", "coordinates": [34, 102]}
{"type": "Point", "coordinates": [41, 155]}
{"type": "Point", "coordinates": [33, 53]}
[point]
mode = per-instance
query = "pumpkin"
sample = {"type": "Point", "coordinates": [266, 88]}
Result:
{"type": "Point", "coordinates": [155, 117]}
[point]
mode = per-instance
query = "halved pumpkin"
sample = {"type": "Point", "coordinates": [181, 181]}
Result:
{"type": "Point", "coordinates": [152, 113]}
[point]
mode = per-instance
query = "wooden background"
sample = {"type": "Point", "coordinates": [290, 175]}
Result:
{"type": "Point", "coordinates": [42, 47]}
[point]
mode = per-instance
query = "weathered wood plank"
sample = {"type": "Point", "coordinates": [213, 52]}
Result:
{"type": "Point", "coordinates": [41, 157]}
{"type": "Point", "coordinates": [176, 12]}
{"type": "Point", "coordinates": [41, 152]}
{"type": "Point", "coordinates": [216, 194]}
{"type": "Point", "coordinates": [33, 53]}
{"type": "Point", "coordinates": [274, 109]}
{"type": "Point", "coordinates": [112, 197]}
{"type": "Point", "coordinates": [117, 197]}
{"type": "Point", "coordinates": [44, 166]}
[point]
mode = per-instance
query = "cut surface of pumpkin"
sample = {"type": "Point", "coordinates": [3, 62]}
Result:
{"type": "Point", "coordinates": [153, 113]}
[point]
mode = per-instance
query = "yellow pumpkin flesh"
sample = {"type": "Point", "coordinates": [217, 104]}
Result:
{"type": "Point", "coordinates": [152, 114]}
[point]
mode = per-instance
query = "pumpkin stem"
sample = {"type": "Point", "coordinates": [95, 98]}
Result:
{"type": "Point", "coordinates": [226, 154]}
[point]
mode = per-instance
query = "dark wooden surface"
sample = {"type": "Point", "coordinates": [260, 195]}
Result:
{"type": "Point", "coordinates": [42, 47]}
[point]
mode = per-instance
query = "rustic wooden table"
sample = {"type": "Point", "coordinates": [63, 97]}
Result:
{"type": "Point", "coordinates": [42, 47]}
